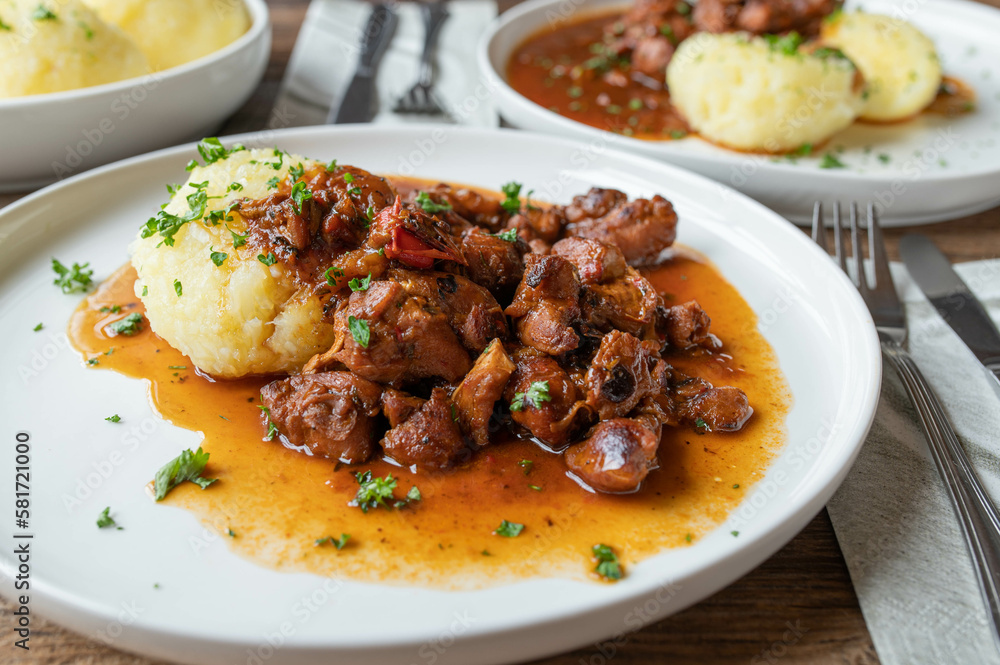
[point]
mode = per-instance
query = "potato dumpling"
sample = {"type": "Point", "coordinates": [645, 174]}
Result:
{"type": "Point", "coordinates": [898, 61]}
{"type": "Point", "coordinates": [172, 32]}
{"type": "Point", "coordinates": [233, 315]}
{"type": "Point", "coordinates": [54, 46]}
{"type": "Point", "coordinates": [763, 94]}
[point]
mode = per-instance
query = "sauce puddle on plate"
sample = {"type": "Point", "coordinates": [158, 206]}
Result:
{"type": "Point", "coordinates": [278, 502]}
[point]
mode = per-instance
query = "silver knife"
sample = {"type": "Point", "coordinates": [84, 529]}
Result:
{"type": "Point", "coordinates": [953, 301]}
{"type": "Point", "coordinates": [357, 104]}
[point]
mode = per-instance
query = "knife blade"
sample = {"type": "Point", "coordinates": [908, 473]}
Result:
{"type": "Point", "coordinates": [357, 104]}
{"type": "Point", "coordinates": [953, 301]}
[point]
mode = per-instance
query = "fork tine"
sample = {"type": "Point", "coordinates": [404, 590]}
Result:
{"type": "Point", "coordinates": [838, 239]}
{"type": "Point", "coordinates": [880, 258]}
{"type": "Point", "coordinates": [858, 252]}
{"type": "Point", "coordinates": [819, 230]}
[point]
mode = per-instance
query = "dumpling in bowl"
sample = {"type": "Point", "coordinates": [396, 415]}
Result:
{"type": "Point", "coordinates": [55, 46]}
{"type": "Point", "coordinates": [898, 62]}
{"type": "Point", "coordinates": [172, 32]}
{"type": "Point", "coordinates": [763, 94]}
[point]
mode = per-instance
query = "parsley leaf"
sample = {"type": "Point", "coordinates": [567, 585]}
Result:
{"type": "Point", "coordinates": [238, 240]}
{"type": "Point", "coordinates": [230, 532]}
{"type": "Point", "coordinates": [72, 280]}
{"type": "Point", "coordinates": [273, 182]}
{"type": "Point", "coordinates": [235, 187]}
{"type": "Point", "coordinates": [512, 204]}
{"type": "Point", "coordinates": [510, 235]}
{"type": "Point", "coordinates": [509, 529]}
{"type": "Point", "coordinates": [218, 258]}
{"type": "Point", "coordinates": [527, 465]}
{"type": "Point", "coordinates": [272, 429]}
{"type": "Point", "coordinates": [212, 150]}
{"type": "Point", "coordinates": [429, 205]}
{"type": "Point", "coordinates": [701, 424]}
{"type": "Point", "coordinates": [339, 543]}
{"type": "Point", "coordinates": [785, 44]}
{"type": "Point", "coordinates": [38, 327]}
{"type": "Point", "coordinates": [114, 309]}
{"type": "Point", "coordinates": [414, 494]}
{"type": "Point", "coordinates": [538, 392]}
{"type": "Point", "coordinates": [608, 565]}
{"type": "Point", "coordinates": [830, 161]}
{"type": "Point", "coordinates": [105, 519]}
{"type": "Point", "coordinates": [268, 260]}
{"type": "Point", "coordinates": [332, 274]}
{"type": "Point", "coordinates": [42, 13]}
{"type": "Point", "coordinates": [360, 284]}
{"type": "Point", "coordinates": [331, 165]}
{"type": "Point", "coordinates": [178, 288]}
{"type": "Point", "coordinates": [373, 492]}
{"type": "Point", "coordinates": [359, 331]}
{"type": "Point", "coordinates": [299, 196]}
{"type": "Point", "coordinates": [114, 419]}
{"type": "Point", "coordinates": [128, 325]}
{"type": "Point", "coordinates": [188, 466]}
{"type": "Point", "coordinates": [296, 172]}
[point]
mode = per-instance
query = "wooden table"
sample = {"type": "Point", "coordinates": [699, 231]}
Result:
{"type": "Point", "coordinates": [806, 585]}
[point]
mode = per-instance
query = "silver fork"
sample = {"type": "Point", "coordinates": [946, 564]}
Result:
{"type": "Point", "coordinates": [420, 99]}
{"type": "Point", "coordinates": [978, 517]}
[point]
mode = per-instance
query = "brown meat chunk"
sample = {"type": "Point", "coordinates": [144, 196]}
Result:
{"type": "Point", "coordinates": [479, 391]}
{"type": "Point", "coordinates": [546, 304]}
{"type": "Point", "coordinates": [724, 409]}
{"type": "Point", "coordinates": [494, 263]}
{"type": "Point", "coordinates": [651, 56]}
{"type": "Point", "coordinates": [556, 413]}
{"type": "Point", "coordinates": [409, 337]}
{"type": "Point", "coordinates": [616, 456]}
{"type": "Point", "coordinates": [620, 375]}
{"type": "Point", "coordinates": [595, 261]}
{"type": "Point", "coordinates": [764, 16]}
{"type": "Point", "coordinates": [332, 413]}
{"type": "Point", "coordinates": [397, 406]}
{"type": "Point", "coordinates": [470, 205]}
{"type": "Point", "coordinates": [628, 304]}
{"type": "Point", "coordinates": [413, 237]}
{"type": "Point", "coordinates": [686, 325]}
{"type": "Point", "coordinates": [541, 224]}
{"type": "Point", "coordinates": [641, 229]}
{"type": "Point", "coordinates": [471, 310]}
{"type": "Point", "coordinates": [430, 438]}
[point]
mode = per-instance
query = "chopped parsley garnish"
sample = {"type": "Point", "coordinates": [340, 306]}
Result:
{"type": "Point", "coordinates": [331, 165]}
{"type": "Point", "coordinates": [373, 492]}
{"type": "Point", "coordinates": [230, 533]}
{"type": "Point", "coordinates": [268, 260]}
{"type": "Point", "coordinates": [114, 309]}
{"type": "Point", "coordinates": [804, 150]}
{"type": "Point", "coordinates": [88, 33]}
{"type": "Point", "coordinates": [145, 290]}
{"type": "Point", "coordinates": [167, 224]}
{"type": "Point", "coordinates": [734, 533]}
{"type": "Point", "coordinates": [635, 104]}
{"type": "Point", "coordinates": [830, 161]}
{"type": "Point", "coordinates": [4, 26]}
{"type": "Point", "coordinates": [537, 393]}
{"type": "Point", "coordinates": [212, 150]}
{"type": "Point", "coordinates": [42, 13]}
{"type": "Point", "coordinates": [736, 486]}
{"type": "Point", "coordinates": [177, 366]}
{"type": "Point", "coordinates": [700, 424]}
{"type": "Point", "coordinates": [527, 465]}
{"type": "Point", "coordinates": [178, 288]}
{"type": "Point", "coordinates": [348, 178]}
{"type": "Point", "coordinates": [509, 529]}
{"type": "Point", "coordinates": [216, 217]}
{"type": "Point", "coordinates": [339, 543]}
{"type": "Point", "coordinates": [188, 466]}
{"type": "Point", "coordinates": [360, 284]}
{"type": "Point", "coordinates": [535, 487]}
{"type": "Point", "coordinates": [512, 204]}
{"type": "Point", "coordinates": [272, 429]}
{"type": "Point", "coordinates": [235, 187]}
{"type": "Point", "coordinates": [785, 44]}
{"type": "Point", "coordinates": [687, 538]}
{"type": "Point", "coordinates": [429, 205]}
{"type": "Point", "coordinates": [92, 361]}
{"type": "Point", "coordinates": [414, 494]}
{"type": "Point", "coordinates": [218, 258]}
{"type": "Point", "coordinates": [299, 196]}
{"type": "Point", "coordinates": [105, 519]}
{"type": "Point", "coordinates": [830, 52]}
{"type": "Point", "coordinates": [114, 419]}
{"type": "Point", "coordinates": [72, 280]}
{"type": "Point", "coordinates": [296, 172]}
{"type": "Point", "coordinates": [38, 327]}
{"type": "Point", "coordinates": [332, 274]}
{"type": "Point", "coordinates": [510, 235]}
{"type": "Point", "coordinates": [359, 331]}
{"type": "Point", "coordinates": [608, 565]}
{"type": "Point", "coordinates": [238, 240]}
{"type": "Point", "coordinates": [281, 160]}
{"type": "Point", "coordinates": [884, 158]}
{"type": "Point", "coordinates": [127, 326]}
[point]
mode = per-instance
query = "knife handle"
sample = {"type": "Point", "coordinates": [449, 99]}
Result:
{"type": "Point", "coordinates": [975, 511]}
{"type": "Point", "coordinates": [375, 38]}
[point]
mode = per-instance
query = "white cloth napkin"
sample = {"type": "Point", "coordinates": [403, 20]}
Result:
{"type": "Point", "coordinates": [325, 56]}
{"type": "Point", "coordinates": [898, 532]}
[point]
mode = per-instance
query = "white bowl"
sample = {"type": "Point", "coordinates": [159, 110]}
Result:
{"type": "Point", "coordinates": [925, 170]}
{"type": "Point", "coordinates": [49, 137]}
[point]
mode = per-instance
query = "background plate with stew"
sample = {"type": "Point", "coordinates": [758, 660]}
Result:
{"type": "Point", "coordinates": [927, 169]}
{"type": "Point", "coordinates": [191, 598]}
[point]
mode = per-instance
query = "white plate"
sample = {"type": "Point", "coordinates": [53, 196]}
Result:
{"type": "Point", "coordinates": [938, 168]}
{"type": "Point", "coordinates": [211, 605]}
{"type": "Point", "coordinates": [44, 138]}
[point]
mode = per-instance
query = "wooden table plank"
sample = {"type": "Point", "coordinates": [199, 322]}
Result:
{"type": "Point", "coordinates": [798, 607]}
